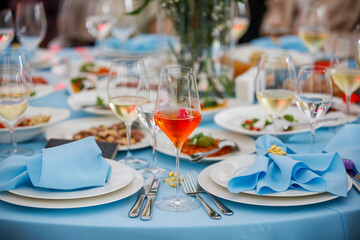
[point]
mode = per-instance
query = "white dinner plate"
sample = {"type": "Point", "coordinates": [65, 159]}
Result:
{"type": "Point", "coordinates": [43, 58]}
{"type": "Point", "coordinates": [338, 104]}
{"type": "Point", "coordinates": [222, 172]}
{"type": "Point", "coordinates": [27, 133]}
{"type": "Point", "coordinates": [121, 175]}
{"type": "Point", "coordinates": [212, 187]}
{"type": "Point", "coordinates": [122, 193]}
{"type": "Point", "coordinates": [41, 90]}
{"type": "Point", "coordinates": [246, 144]}
{"type": "Point", "coordinates": [232, 119]}
{"type": "Point", "coordinates": [89, 98]}
{"type": "Point", "coordinates": [67, 129]}
{"type": "Point", "coordinates": [208, 114]}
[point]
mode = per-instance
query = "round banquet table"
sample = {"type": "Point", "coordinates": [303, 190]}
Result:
{"type": "Point", "coordinates": [335, 219]}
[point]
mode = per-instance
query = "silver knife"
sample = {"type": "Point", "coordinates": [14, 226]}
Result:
{"type": "Point", "coordinates": [135, 210]}
{"type": "Point", "coordinates": [147, 211]}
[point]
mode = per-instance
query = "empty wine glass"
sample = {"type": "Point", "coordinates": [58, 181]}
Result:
{"type": "Point", "coordinates": [177, 113]}
{"type": "Point", "coordinates": [99, 20]}
{"type": "Point", "coordinates": [275, 84]}
{"type": "Point", "coordinates": [313, 94]}
{"type": "Point", "coordinates": [14, 98]}
{"type": "Point", "coordinates": [313, 26]}
{"type": "Point", "coordinates": [146, 116]}
{"type": "Point", "coordinates": [31, 24]}
{"type": "Point", "coordinates": [7, 29]}
{"type": "Point", "coordinates": [344, 70]}
{"type": "Point", "coordinates": [124, 83]}
{"type": "Point", "coordinates": [125, 26]}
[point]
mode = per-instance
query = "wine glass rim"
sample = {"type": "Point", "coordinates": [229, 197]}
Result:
{"type": "Point", "coordinates": [316, 68]}
{"type": "Point", "coordinates": [127, 61]}
{"type": "Point", "coordinates": [167, 70]}
{"type": "Point", "coordinates": [276, 55]}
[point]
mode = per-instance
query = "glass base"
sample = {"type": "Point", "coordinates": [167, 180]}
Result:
{"type": "Point", "coordinates": [17, 151]}
{"type": "Point", "coordinates": [174, 204]}
{"type": "Point", "coordinates": [158, 172]}
{"type": "Point", "coordinates": [136, 163]}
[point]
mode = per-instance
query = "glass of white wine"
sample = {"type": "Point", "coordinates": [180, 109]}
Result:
{"type": "Point", "coordinates": [345, 71]}
{"type": "Point", "coordinates": [275, 84]}
{"type": "Point", "coordinates": [14, 99]}
{"type": "Point", "coordinates": [123, 88]}
{"type": "Point", "coordinates": [146, 116]}
{"type": "Point", "coordinates": [313, 26]}
{"type": "Point", "coordinates": [7, 28]}
{"type": "Point", "coordinates": [314, 94]}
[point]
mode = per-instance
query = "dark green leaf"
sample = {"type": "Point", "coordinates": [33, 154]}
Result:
{"type": "Point", "coordinates": [99, 101]}
{"type": "Point", "coordinates": [289, 117]}
{"type": "Point", "coordinates": [33, 93]}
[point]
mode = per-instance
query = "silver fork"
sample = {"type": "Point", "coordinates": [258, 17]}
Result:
{"type": "Point", "coordinates": [189, 187]}
{"type": "Point", "coordinates": [225, 210]}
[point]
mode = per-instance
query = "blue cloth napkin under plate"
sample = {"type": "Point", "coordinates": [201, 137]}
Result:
{"type": "Point", "coordinates": [286, 42]}
{"type": "Point", "coordinates": [70, 166]}
{"type": "Point", "coordinates": [138, 44]}
{"type": "Point", "coordinates": [347, 143]}
{"type": "Point", "coordinates": [276, 173]}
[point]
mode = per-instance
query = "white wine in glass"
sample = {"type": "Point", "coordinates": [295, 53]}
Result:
{"type": "Point", "coordinates": [124, 81]}
{"type": "Point", "coordinates": [275, 84]}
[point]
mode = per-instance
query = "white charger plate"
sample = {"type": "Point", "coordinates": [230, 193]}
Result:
{"type": "Point", "coordinates": [27, 133]}
{"type": "Point", "coordinates": [121, 175]}
{"type": "Point", "coordinates": [77, 101]}
{"type": "Point", "coordinates": [122, 193]}
{"type": "Point", "coordinates": [212, 187]}
{"type": "Point", "coordinates": [67, 129]}
{"type": "Point", "coordinates": [246, 144]}
{"type": "Point", "coordinates": [222, 172]}
{"type": "Point", "coordinates": [232, 119]}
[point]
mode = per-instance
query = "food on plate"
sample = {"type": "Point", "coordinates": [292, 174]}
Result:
{"type": "Point", "coordinates": [39, 80]}
{"type": "Point", "coordinates": [116, 133]}
{"type": "Point", "coordinates": [257, 124]}
{"type": "Point", "coordinates": [255, 57]}
{"type": "Point", "coordinates": [203, 143]}
{"type": "Point", "coordinates": [208, 104]}
{"type": "Point", "coordinates": [81, 83]}
{"type": "Point", "coordinates": [91, 67]}
{"type": "Point", "coordinates": [31, 121]}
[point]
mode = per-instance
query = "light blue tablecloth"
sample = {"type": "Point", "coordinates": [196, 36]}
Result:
{"type": "Point", "coordinates": [336, 219]}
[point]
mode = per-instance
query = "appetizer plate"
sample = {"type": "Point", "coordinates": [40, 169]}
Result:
{"type": "Point", "coordinates": [246, 144]}
{"type": "Point", "coordinates": [43, 58]}
{"type": "Point", "coordinates": [233, 118]}
{"type": "Point", "coordinates": [121, 175]}
{"type": "Point", "coordinates": [67, 129]}
{"type": "Point", "coordinates": [27, 133]}
{"type": "Point", "coordinates": [86, 101]}
{"type": "Point", "coordinates": [76, 66]}
{"type": "Point", "coordinates": [212, 187]}
{"type": "Point", "coordinates": [338, 104]}
{"type": "Point", "coordinates": [90, 81]}
{"type": "Point", "coordinates": [122, 193]}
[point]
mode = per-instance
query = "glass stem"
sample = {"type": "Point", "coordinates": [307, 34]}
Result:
{"type": "Point", "coordinates": [128, 138]}
{"type": "Point", "coordinates": [153, 139]}
{"type": "Point", "coordinates": [177, 184]}
{"type": "Point", "coordinates": [312, 138]}
{"type": "Point", "coordinates": [274, 125]}
{"type": "Point", "coordinates": [12, 139]}
{"type": "Point", "coordinates": [347, 107]}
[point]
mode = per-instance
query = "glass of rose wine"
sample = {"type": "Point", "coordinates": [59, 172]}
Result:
{"type": "Point", "coordinates": [275, 84]}
{"type": "Point", "coordinates": [146, 116]}
{"type": "Point", "coordinates": [7, 28]}
{"type": "Point", "coordinates": [345, 71]}
{"type": "Point", "coordinates": [124, 83]}
{"type": "Point", "coordinates": [177, 113]}
{"type": "Point", "coordinates": [313, 26]}
{"type": "Point", "coordinates": [14, 99]}
{"type": "Point", "coordinates": [314, 94]}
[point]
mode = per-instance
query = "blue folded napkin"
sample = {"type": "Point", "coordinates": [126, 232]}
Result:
{"type": "Point", "coordinates": [286, 42]}
{"type": "Point", "coordinates": [347, 143]}
{"type": "Point", "coordinates": [276, 173]}
{"type": "Point", "coordinates": [70, 166]}
{"type": "Point", "coordinates": [138, 44]}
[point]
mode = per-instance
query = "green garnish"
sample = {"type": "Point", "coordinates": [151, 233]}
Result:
{"type": "Point", "coordinates": [267, 122]}
{"type": "Point", "coordinates": [210, 103]}
{"type": "Point", "coordinates": [78, 80]}
{"type": "Point", "coordinates": [100, 102]}
{"type": "Point", "coordinates": [87, 67]}
{"type": "Point", "coordinates": [33, 93]}
{"type": "Point", "coordinates": [289, 117]}
{"type": "Point", "coordinates": [202, 141]}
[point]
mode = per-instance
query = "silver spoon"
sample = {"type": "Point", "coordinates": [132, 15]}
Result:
{"type": "Point", "coordinates": [222, 143]}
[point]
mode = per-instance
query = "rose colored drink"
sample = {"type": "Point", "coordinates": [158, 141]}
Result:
{"type": "Point", "coordinates": [177, 124]}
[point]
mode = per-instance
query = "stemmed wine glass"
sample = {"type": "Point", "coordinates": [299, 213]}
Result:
{"type": "Point", "coordinates": [313, 26]}
{"type": "Point", "coordinates": [177, 113]}
{"type": "Point", "coordinates": [7, 29]}
{"type": "Point", "coordinates": [124, 85]}
{"type": "Point", "coordinates": [344, 70]}
{"type": "Point", "coordinates": [14, 98]}
{"type": "Point", "coordinates": [125, 26]}
{"type": "Point", "coordinates": [241, 19]}
{"type": "Point", "coordinates": [313, 94]}
{"type": "Point", "coordinates": [275, 84]}
{"type": "Point", "coordinates": [146, 116]}
{"type": "Point", "coordinates": [31, 24]}
{"type": "Point", "coordinates": [99, 20]}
